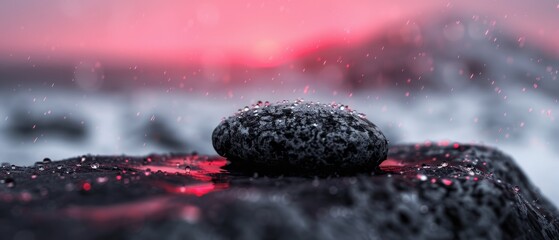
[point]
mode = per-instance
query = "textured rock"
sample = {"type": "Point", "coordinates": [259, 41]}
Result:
{"type": "Point", "coordinates": [292, 137]}
{"type": "Point", "coordinates": [428, 191]}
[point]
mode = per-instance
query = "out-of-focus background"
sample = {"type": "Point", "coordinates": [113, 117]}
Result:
{"type": "Point", "coordinates": [140, 77]}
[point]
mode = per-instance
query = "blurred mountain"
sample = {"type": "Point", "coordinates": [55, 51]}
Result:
{"type": "Point", "coordinates": [423, 55]}
{"type": "Point", "coordinates": [438, 55]}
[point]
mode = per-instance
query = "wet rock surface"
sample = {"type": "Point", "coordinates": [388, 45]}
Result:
{"type": "Point", "coordinates": [300, 137]}
{"type": "Point", "coordinates": [427, 191]}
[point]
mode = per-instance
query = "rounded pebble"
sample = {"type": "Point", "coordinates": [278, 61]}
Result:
{"type": "Point", "coordinates": [300, 137]}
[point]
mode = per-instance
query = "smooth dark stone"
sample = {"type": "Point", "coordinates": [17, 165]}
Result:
{"type": "Point", "coordinates": [300, 138]}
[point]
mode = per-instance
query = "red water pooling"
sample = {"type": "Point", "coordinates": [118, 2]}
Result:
{"type": "Point", "coordinates": [391, 165]}
{"type": "Point", "coordinates": [197, 169]}
{"type": "Point", "coordinates": [198, 181]}
{"type": "Point", "coordinates": [394, 165]}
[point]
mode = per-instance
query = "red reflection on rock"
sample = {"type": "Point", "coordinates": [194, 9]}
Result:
{"type": "Point", "coordinates": [195, 189]}
{"type": "Point", "coordinates": [390, 164]}
{"type": "Point", "coordinates": [178, 186]}
{"type": "Point", "coordinates": [199, 173]}
{"type": "Point", "coordinates": [446, 182]}
{"type": "Point", "coordinates": [198, 169]}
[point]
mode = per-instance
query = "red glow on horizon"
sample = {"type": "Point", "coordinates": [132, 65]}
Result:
{"type": "Point", "coordinates": [248, 32]}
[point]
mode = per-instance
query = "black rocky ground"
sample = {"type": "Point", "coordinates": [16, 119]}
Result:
{"type": "Point", "coordinates": [433, 190]}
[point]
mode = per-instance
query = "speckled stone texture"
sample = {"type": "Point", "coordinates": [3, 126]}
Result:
{"type": "Point", "coordinates": [426, 191]}
{"type": "Point", "coordinates": [294, 137]}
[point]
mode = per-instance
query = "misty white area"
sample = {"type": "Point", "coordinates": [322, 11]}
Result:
{"type": "Point", "coordinates": [523, 126]}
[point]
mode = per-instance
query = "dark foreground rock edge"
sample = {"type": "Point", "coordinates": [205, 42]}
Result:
{"type": "Point", "coordinates": [427, 192]}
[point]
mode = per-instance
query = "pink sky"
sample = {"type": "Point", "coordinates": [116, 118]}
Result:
{"type": "Point", "coordinates": [253, 31]}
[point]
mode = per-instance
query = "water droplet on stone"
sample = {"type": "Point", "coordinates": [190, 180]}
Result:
{"type": "Point", "coordinates": [59, 167]}
{"type": "Point", "coordinates": [95, 165]}
{"type": "Point", "coordinates": [421, 177]}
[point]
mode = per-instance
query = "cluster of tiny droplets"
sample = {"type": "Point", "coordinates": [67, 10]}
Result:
{"type": "Point", "coordinates": [346, 108]}
{"type": "Point", "coordinates": [260, 104]}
